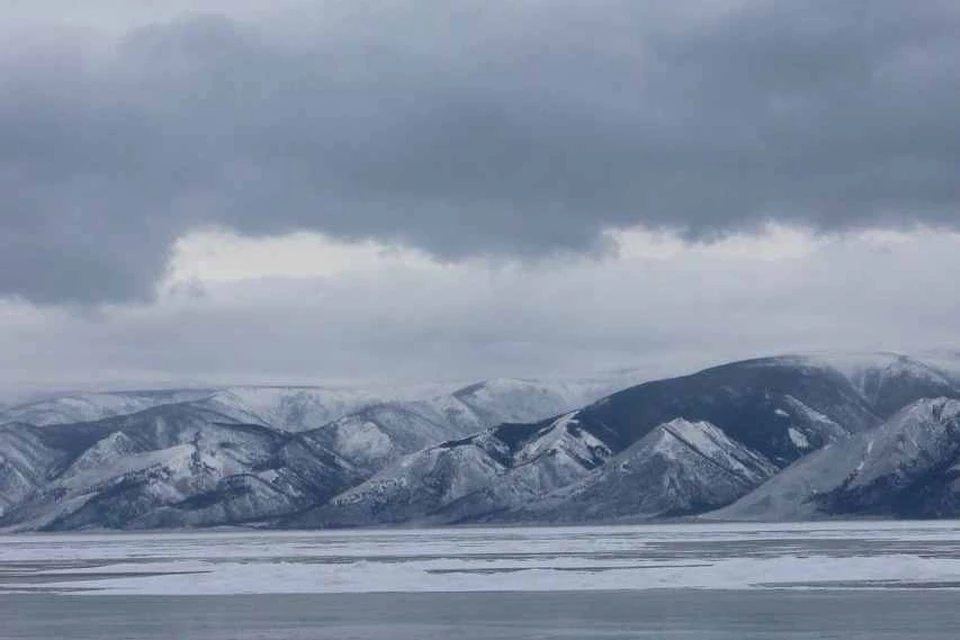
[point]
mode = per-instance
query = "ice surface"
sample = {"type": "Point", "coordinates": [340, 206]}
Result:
{"type": "Point", "coordinates": [702, 556]}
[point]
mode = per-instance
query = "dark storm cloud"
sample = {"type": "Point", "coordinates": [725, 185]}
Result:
{"type": "Point", "coordinates": [501, 128]}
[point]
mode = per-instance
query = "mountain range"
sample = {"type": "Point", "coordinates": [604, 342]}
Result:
{"type": "Point", "coordinates": [788, 437]}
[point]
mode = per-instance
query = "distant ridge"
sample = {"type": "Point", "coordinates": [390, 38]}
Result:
{"type": "Point", "coordinates": [788, 437]}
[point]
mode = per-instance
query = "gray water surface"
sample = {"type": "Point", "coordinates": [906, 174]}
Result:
{"type": "Point", "coordinates": [609, 615]}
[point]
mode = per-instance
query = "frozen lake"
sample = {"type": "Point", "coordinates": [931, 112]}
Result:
{"type": "Point", "coordinates": [818, 580]}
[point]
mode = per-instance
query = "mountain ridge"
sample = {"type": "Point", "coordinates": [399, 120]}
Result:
{"type": "Point", "coordinates": [498, 451]}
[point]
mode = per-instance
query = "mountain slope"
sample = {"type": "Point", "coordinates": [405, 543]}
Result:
{"type": "Point", "coordinates": [490, 452]}
{"type": "Point", "coordinates": [214, 459]}
{"type": "Point", "coordinates": [680, 467]}
{"type": "Point", "coordinates": [463, 479]}
{"type": "Point", "coordinates": [377, 435]}
{"type": "Point", "coordinates": [27, 462]}
{"type": "Point", "coordinates": [173, 465]}
{"type": "Point", "coordinates": [891, 381]}
{"type": "Point", "coordinates": [303, 408]}
{"type": "Point", "coordinates": [907, 467]}
{"type": "Point", "coordinates": [89, 407]}
{"type": "Point", "coordinates": [748, 419]}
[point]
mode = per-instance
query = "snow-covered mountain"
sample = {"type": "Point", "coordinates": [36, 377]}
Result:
{"type": "Point", "coordinates": [27, 462]}
{"type": "Point", "coordinates": [462, 480]}
{"type": "Point", "coordinates": [297, 409]}
{"type": "Point", "coordinates": [87, 407]}
{"type": "Point", "coordinates": [284, 408]}
{"type": "Point", "coordinates": [907, 467]}
{"type": "Point", "coordinates": [799, 436]}
{"type": "Point", "coordinates": [242, 454]}
{"type": "Point", "coordinates": [172, 465]}
{"type": "Point", "coordinates": [670, 447]}
{"type": "Point", "coordinates": [680, 467]}
{"type": "Point", "coordinates": [890, 381]}
{"type": "Point", "coordinates": [378, 434]}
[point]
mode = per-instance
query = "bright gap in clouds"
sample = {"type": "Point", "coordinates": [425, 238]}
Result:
{"type": "Point", "coordinates": [212, 256]}
{"type": "Point", "coordinates": [223, 256]}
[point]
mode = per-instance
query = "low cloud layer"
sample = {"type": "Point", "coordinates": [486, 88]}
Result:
{"type": "Point", "coordinates": [507, 128]}
{"type": "Point", "coordinates": [663, 311]}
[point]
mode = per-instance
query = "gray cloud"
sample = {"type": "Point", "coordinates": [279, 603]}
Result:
{"type": "Point", "coordinates": [496, 128]}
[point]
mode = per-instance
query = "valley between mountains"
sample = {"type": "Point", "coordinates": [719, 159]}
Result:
{"type": "Point", "coordinates": [782, 438]}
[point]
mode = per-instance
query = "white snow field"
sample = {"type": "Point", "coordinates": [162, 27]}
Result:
{"type": "Point", "coordinates": [848, 555]}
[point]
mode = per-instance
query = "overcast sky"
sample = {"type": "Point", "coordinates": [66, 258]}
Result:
{"type": "Point", "coordinates": [276, 192]}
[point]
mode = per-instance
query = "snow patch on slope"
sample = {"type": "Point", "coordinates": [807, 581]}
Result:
{"type": "Point", "coordinates": [713, 444]}
{"type": "Point", "coordinates": [680, 466]}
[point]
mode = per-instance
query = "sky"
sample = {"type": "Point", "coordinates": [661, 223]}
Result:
{"type": "Point", "coordinates": [330, 191]}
